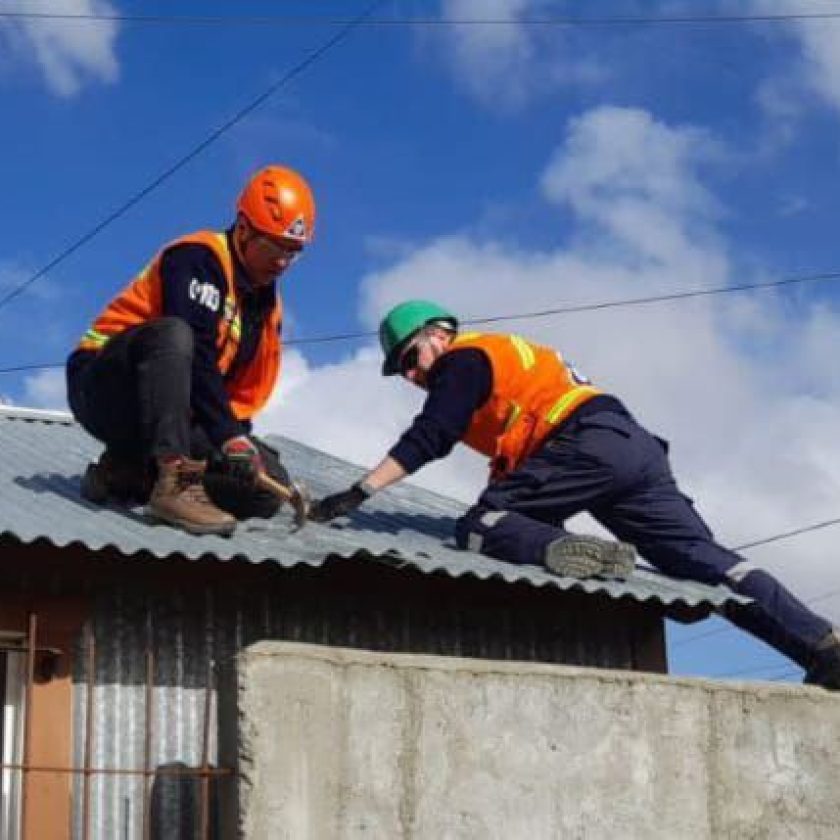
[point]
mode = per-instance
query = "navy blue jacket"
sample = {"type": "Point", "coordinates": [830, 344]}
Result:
{"type": "Point", "coordinates": [458, 385]}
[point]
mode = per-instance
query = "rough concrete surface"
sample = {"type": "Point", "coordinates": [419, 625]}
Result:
{"type": "Point", "coordinates": [334, 743]}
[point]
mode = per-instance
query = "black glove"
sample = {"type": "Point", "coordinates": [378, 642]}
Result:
{"type": "Point", "coordinates": [241, 460]}
{"type": "Point", "coordinates": [339, 504]}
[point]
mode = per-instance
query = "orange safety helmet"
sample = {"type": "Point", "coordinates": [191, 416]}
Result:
{"type": "Point", "coordinates": [278, 201]}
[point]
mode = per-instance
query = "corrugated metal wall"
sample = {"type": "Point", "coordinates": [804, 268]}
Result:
{"type": "Point", "coordinates": [189, 630]}
{"type": "Point", "coordinates": [186, 635]}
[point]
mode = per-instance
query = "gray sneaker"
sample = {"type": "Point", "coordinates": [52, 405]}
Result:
{"type": "Point", "coordinates": [583, 556]}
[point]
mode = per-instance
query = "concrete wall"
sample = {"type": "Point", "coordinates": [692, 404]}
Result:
{"type": "Point", "coordinates": [334, 743]}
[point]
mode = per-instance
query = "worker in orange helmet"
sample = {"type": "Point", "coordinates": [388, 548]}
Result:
{"type": "Point", "coordinates": [560, 445]}
{"type": "Point", "coordinates": [173, 370]}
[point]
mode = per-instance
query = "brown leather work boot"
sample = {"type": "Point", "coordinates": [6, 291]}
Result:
{"type": "Point", "coordinates": [118, 479]}
{"type": "Point", "coordinates": [178, 498]}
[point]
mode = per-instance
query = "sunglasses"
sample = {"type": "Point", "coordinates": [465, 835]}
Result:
{"type": "Point", "coordinates": [279, 250]}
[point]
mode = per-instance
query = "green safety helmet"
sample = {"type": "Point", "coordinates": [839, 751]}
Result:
{"type": "Point", "coordinates": [401, 324]}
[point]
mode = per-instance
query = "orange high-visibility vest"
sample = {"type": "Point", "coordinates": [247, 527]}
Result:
{"type": "Point", "coordinates": [533, 391]}
{"type": "Point", "coordinates": [142, 300]}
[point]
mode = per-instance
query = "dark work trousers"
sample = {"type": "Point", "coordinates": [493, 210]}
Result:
{"type": "Point", "coordinates": [229, 493]}
{"type": "Point", "coordinates": [607, 464]}
{"type": "Point", "coordinates": [134, 396]}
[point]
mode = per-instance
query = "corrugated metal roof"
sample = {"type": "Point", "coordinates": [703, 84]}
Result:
{"type": "Point", "coordinates": [45, 453]}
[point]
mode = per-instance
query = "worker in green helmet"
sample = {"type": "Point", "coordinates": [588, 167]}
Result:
{"type": "Point", "coordinates": [418, 339]}
{"type": "Point", "coordinates": [558, 445]}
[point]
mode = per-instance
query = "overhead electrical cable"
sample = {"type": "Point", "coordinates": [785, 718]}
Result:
{"type": "Point", "coordinates": [745, 547]}
{"type": "Point", "coordinates": [717, 631]}
{"type": "Point", "coordinates": [594, 307]}
{"type": "Point", "coordinates": [741, 672]}
{"type": "Point", "coordinates": [784, 676]}
{"type": "Point", "coordinates": [395, 22]}
{"type": "Point", "coordinates": [23, 368]}
{"type": "Point", "coordinates": [542, 313]}
{"type": "Point", "coordinates": [833, 593]}
{"type": "Point", "coordinates": [249, 108]}
{"type": "Point", "coordinates": [828, 523]}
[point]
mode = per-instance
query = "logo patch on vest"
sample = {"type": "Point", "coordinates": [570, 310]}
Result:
{"type": "Point", "coordinates": [205, 294]}
{"type": "Point", "coordinates": [297, 229]}
{"type": "Point", "coordinates": [578, 377]}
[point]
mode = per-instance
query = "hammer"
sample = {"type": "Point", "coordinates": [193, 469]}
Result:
{"type": "Point", "coordinates": [295, 494]}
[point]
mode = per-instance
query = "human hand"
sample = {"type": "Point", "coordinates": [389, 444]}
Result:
{"type": "Point", "coordinates": [339, 504]}
{"type": "Point", "coordinates": [242, 459]}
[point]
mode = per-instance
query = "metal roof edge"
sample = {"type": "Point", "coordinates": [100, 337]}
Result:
{"type": "Point", "coordinates": [690, 611]}
{"type": "Point", "coordinates": [15, 412]}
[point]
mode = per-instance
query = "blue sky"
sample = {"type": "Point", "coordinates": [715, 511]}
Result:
{"type": "Point", "coordinates": [499, 169]}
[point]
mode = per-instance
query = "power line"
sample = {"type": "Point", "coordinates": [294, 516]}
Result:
{"type": "Point", "coordinates": [783, 536]}
{"type": "Point", "coordinates": [249, 108]}
{"type": "Point", "coordinates": [833, 593]}
{"type": "Point", "coordinates": [741, 672]}
{"type": "Point", "coordinates": [775, 538]}
{"type": "Point", "coordinates": [397, 22]}
{"type": "Point", "coordinates": [543, 313]}
{"type": "Point", "coordinates": [783, 676]}
{"type": "Point", "coordinates": [20, 368]}
{"type": "Point", "coordinates": [717, 290]}
{"type": "Point", "coordinates": [700, 636]}
{"type": "Point", "coordinates": [730, 629]}
{"type": "Point", "coordinates": [594, 307]}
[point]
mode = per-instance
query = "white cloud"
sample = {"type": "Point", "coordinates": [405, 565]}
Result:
{"type": "Point", "coordinates": [14, 275]}
{"type": "Point", "coordinates": [46, 389]}
{"type": "Point", "coordinates": [749, 398]}
{"type": "Point", "coordinates": [820, 44]}
{"type": "Point", "coordinates": [67, 53]}
{"type": "Point", "coordinates": [624, 153]}
{"type": "Point", "coordinates": [490, 57]}
{"type": "Point", "coordinates": [506, 64]}
{"type": "Point", "coordinates": [814, 71]}
{"type": "Point", "coordinates": [622, 171]}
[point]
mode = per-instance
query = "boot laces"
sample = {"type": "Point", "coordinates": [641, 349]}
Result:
{"type": "Point", "coordinates": [190, 484]}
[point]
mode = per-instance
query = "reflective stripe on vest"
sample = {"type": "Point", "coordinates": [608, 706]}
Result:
{"type": "Point", "coordinates": [94, 340]}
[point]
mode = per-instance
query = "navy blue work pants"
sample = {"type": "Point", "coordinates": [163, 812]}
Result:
{"type": "Point", "coordinates": [605, 463]}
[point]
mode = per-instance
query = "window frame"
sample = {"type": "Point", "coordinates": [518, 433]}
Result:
{"type": "Point", "coordinates": [12, 723]}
